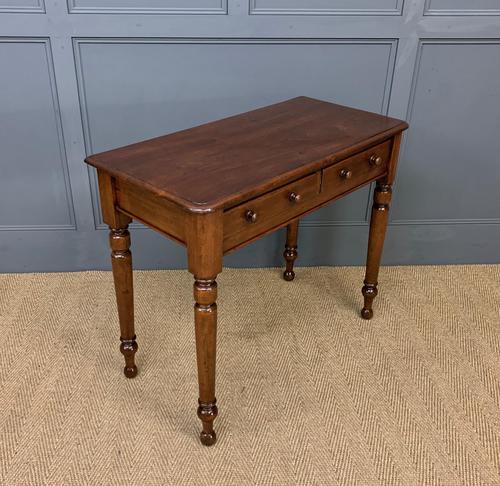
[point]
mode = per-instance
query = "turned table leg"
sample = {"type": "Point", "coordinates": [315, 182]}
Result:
{"type": "Point", "coordinates": [121, 260]}
{"type": "Point", "coordinates": [205, 316]}
{"type": "Point", "coordinates": [290, 252]}
{"type": "Point", "coordinates": [378, 226]}
{"type": "Point", "coordinates": [204, 235]}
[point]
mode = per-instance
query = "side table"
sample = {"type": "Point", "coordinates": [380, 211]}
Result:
{"type": "Point", "coordinates": [222, 185]}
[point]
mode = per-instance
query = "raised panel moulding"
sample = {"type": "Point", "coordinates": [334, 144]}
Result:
{"type": "Point", "coordinates": [461, 8]}
{"type": "Point", "coordinates": [326, 7]}
{"type": "Point", "coordinates": [172, 7]}
{"type": "Point", "coordinates": [25, 6]}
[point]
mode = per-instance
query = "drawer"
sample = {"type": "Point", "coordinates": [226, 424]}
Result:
{"type": "Point", "coordinates": [264, 213]}
{"type": "Point", "coordinates": [356, 170]}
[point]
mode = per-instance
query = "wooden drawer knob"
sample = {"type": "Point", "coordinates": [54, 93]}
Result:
{"type": "Point", "coordinates": [346, 174]}
{"type": "Point", "coordinates": [251, 216]}
{"type": "Point", "coordinates": [294, 197]}
{"type": "Point", "coordinates": [376, 160]}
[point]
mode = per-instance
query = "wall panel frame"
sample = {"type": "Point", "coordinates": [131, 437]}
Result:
{"type": "Point", "coordinates": [337, 236]}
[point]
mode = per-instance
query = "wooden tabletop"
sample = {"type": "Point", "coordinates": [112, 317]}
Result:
{"type": "Point", "coordinates": [224, 162]}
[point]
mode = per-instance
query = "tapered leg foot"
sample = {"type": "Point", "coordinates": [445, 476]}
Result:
{"type": "Point", "coordinates": [378, 226]}
{"type": "Point", "coordinates": [128, 348]}
{"type": "Point", "coordinates": [130, 372]}
{"type": "Point", "coordinates": [290, 252]}
{"type": "Point", "coordinates": [369, 293]}
{"type": "Point", "coordinates": [207, 412]}
{"type": "Point", "coordinates": [208, 438]}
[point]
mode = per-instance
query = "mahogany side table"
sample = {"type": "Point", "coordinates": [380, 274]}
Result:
{"type": "Point", "coordinates": [219, 186]}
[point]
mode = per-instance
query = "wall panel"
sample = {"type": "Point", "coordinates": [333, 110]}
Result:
{"type": "Point", "coordinates": [34, 186]}
{"type": "Point", "coordinates": [449, 170]}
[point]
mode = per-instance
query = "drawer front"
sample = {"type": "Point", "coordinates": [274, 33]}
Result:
{"type": "Point", "coordinates": [257, 216]}
{"type": "Point", "coordinates": [356, 170]}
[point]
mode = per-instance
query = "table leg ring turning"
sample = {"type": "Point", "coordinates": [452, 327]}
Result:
{"type": "Point", "coordinates": [207, 412]}
{"type": "Point", "coordinates": [369, 293]}
{"type": "Point", "coordinates": [128, 348]}
{"type": "Point", "coordinates": [290, 252]}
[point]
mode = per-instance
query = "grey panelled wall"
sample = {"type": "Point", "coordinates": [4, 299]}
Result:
{"type": "Point", "coordinates": [89, 75]}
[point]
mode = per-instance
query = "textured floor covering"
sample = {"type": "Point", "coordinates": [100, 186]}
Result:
{"type": "Point", "coordinates": [309, 393]}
